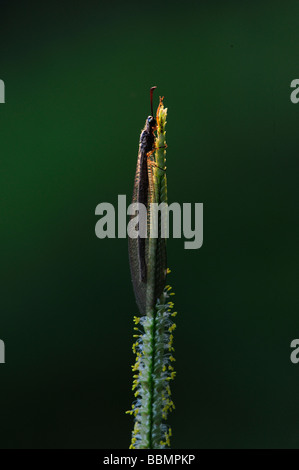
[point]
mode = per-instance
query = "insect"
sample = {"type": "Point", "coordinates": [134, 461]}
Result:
{"type": "Point", "coordinates": [142, 193]}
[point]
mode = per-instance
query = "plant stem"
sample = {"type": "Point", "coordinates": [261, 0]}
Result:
{"type": "Point", "coordinates": [153, 347]}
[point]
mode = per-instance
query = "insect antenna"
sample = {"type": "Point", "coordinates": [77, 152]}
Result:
{"type": "Point", "coordinates": [151, 95]}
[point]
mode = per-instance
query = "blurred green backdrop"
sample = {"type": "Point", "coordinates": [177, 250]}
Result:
{"type": "Point", "coordinates": [77, 76]}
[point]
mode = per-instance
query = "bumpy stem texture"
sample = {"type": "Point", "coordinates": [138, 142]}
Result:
{"type": "Point", "coordinates": [153, 344]}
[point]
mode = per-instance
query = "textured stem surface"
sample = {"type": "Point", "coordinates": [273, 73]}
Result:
{"type": "Point", "coordinates": [153, 347]}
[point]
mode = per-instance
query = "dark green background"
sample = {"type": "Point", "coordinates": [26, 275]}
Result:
{"type": "Point", "coordinates": [77, 76]}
